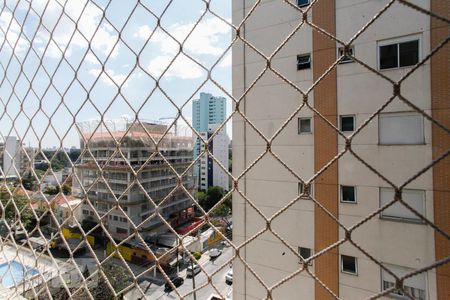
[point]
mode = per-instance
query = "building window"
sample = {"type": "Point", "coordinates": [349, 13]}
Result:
{"type": "Point", "coordinates": [346, 59]}
{"type": "Point", "coordinates": [348, 194]}
{"type": "Point", "coordinates": [115, 218]}
{"type": "Point", "coordinates": [303, 61]}
{"type": "Point", "coordinates": [302, 3]}
{"type": "Point", "coordinates": [301, 188]}
{"type": "Point", "coordinates": [398, 54]}
{"type": "Point", "coordinates": [304, 125]}
{"type": "Point", "coordinates": [347, 123]}
{"type": "Point", "coordinates": [414, 286]}
{"type": "Point", "coordinates": [349, 264]}
{"type": "Point", "coordinates": [305, 253]}
{"type": "Point", "coordinates": [397, 211]}
{"type": "Point", "coordinates": [405, 128]}
{"type": "Point", "coordinates": [121, 230]}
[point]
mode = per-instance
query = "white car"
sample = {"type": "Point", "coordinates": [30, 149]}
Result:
{"type": "Point", "coordinates": [214, 253]}
{"type": "Point", "coordinates": [229, 277]}
{"type": "Point", "coordinates": [192, 271]}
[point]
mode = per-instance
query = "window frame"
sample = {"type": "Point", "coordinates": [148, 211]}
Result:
{"type": "Point", "coordinates": [397, 41]}
{"type": "Point", "coordinates": [299, 68]}
{"type": "Point", "coordinates": [423, 141]}
{"type": "Point", "coordinates": [345, 61]}
{"type": "Point", "coordinates": [347, 116]}
{"type": "Point", "coordinates": [310, 125]}
{"type": "Point", "coordinates": [393, 295]}
{"type": "Point", "coordinates": [342, 265]}
{"type": "Point", "coordinates": [403, 219]}
{"type": "Point", "coordinates": [341, 194]}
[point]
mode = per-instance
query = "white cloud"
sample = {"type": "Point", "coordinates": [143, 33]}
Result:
{"type": "Point", "coordinates": [113, 77]}
{"type": "Point", "coordinates": [207, 38]}
{"type": "Point", "coordinates": [102, 42]}
{"type": "Point", "coordinates": [225, 61]}
{"type": "Point", "coordinates": [13, 35]}
{"type": "Point", "coordinates": [182, 67]}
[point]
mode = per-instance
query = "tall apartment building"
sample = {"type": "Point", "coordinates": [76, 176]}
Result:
{"type": "Point", "coordinates": [207, 110]}
{"type": "Point", "coordinates": [13, 157]}
{"type": "Point", "coordinates": [156, 178]}
{"type": "Point", "coordinates": [398, 143]}
{"type": "Point", "coordinates": [211, 174]}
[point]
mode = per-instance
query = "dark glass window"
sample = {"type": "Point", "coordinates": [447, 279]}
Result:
{"type": "Point", "coordinates": [302, 3]}
{"type": "Point", "coordinates": [348, 194]}
{"type": "Point", "coordinates": [303, 61]}
{"type": "Point", "coordinates": [346, 59]}
{"type": "Point", "coordinates": [399, 55]}
{"type": "Point", "coordinates": [347, 123]}
{"type": "Point", "coordinates": [304, 125]}
{"type": "Point", "coordinates": [388, 56]}
{"type": "Point", "coordinates": [304, 252]}
{"type": "Point", "coordinates": [348, 264]}
{"type": "Point", "coordinates": [409, 53]}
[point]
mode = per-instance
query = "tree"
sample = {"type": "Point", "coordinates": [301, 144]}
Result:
{"type": "Point", "coordinates": [66, 189]}
{"type": "Point", "coordinates": [51, 190]}
{"type": "Point", "coordinates": [28, 182]}
{"type": "Point", "coordinates": [201, 197]}
{"type": "Point", "coordinates": [212, 196]}
{"type": "Point", "coordinates": [222, 210]}
{"type": "Point", "coordinates": [23, 212]}
{"type": "Point", "coordinates": [118, 277]}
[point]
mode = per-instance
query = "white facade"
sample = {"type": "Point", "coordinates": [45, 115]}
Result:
{"type": "Point", "coordinates": [404, 243]}
{"type": "Point", "coordinates": [211, 174]}
{"type": "Point", "coordinates": [13, 159]}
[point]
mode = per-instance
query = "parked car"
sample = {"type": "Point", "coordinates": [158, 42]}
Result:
{"type": "Point", "coordinates": [177, 281]}
{"type": "Point", "coordinates": [214, 253]}
{"type": "Point", "coordinates": [229, 277]}
{"type": "Point", "coordinates": [192, 271]}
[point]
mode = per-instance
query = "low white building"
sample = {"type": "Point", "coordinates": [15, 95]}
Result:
{"type": "Point", "coordinates": [15, 157]}
{"type": "Point", "coordinates": [211, 174]}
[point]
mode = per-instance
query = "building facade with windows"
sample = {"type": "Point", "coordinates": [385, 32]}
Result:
{"type": "Point", "coordinates": [206, 110]}
{"type": "Point", "coordinates": [395, 141]}
{"type": "Point", "coordinates": [211, 174]}
{"type": "Point", "coordinates": [15, 158]}
{"type": "Point", "coordinates": [121, 186]}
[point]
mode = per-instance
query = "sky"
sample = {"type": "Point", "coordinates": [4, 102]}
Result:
{"type": "Point", "coordinates": [51, 68]}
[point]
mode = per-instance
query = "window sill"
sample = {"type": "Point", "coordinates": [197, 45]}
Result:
{"type": "Point", "coordinates": [348, 202]}
{"type": "Point", "coordinates": [395, 68]}
{"type": "Point", "coordinates": [421, 144]}
{"type": "Point", "coordinates": [344, 62]}
{"type": "Point", "coordinates": [402, 220]}
{"type": "Point", "coordinates": [349, 273]}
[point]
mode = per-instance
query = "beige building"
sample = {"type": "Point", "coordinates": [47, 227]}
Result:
{"type": "Point", "coordinates": [119, 188]}
{"type": "Point", "coordinates": [398, 142]}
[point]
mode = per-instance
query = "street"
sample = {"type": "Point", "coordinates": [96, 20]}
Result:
{"type": "Point", "coordinates": [153, 291]}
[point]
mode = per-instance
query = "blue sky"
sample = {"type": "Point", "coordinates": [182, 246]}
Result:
{"type": "Point", "coordinates": [29, 52]}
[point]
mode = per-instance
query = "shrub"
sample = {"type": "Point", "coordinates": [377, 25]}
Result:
{"type": "Point", "coordinates": [197, 255]}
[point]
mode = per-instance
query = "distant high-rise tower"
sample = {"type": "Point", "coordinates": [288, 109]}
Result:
{"type": "Point", "coordinates": [206, 110]}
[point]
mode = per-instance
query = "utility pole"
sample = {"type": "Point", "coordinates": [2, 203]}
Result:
{"type": "Point", "coordinates": [193, 279]}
